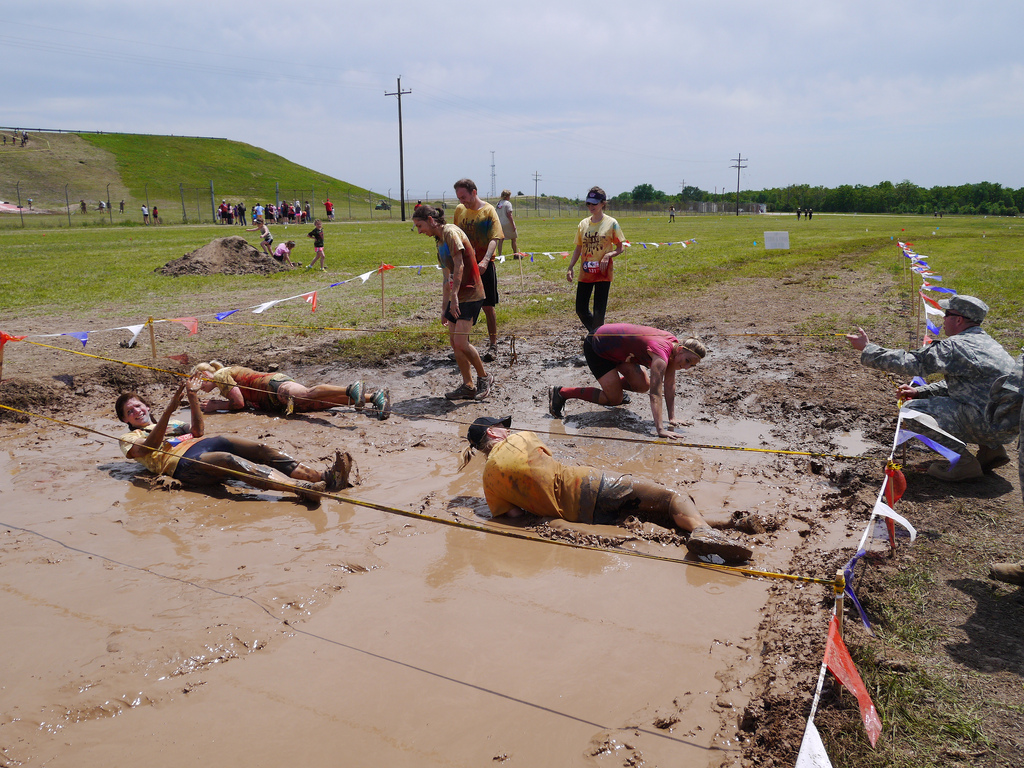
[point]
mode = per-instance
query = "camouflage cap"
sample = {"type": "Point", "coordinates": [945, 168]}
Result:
{"type": "Point", "coordinates": [966, 306]}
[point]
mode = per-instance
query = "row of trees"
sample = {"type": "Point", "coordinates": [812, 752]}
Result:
{"type": "Point", "coordinates": [885, 197]}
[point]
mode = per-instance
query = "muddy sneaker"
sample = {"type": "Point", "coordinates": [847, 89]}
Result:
{"type": "Point", "coordinates": [355, 394]}
{"type": "Point", "coordinates": [626, 399]}
{"type": "Point", "coordinates": [310, 492]}
{"type": "Point", "coordinates": [339, 475]}
{"type": "Point", "coordinates": [464, 392]}
{"type": "Point", "coordinates": [484, 385]}
{"type": "Point", "coordinates": [705, 540]}
{"type": "Point", "coordinates": [491, 353]}
{"type": "Point", "coordinates": [555, 402]}
{"type": "Point", "coordinates": [381, 401]}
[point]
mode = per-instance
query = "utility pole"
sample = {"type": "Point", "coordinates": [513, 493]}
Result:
{"type": "Point", "coordinates": [494, 190]}
{"type": "Point", "coordinates": [536, 181]}
{"type": "Point", "coordinates": [739, 160]}
{"type": "Point", "coordinates": [401, 151]}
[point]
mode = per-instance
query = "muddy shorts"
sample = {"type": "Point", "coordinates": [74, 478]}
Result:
{"type": "Point", "coordinates": [605, 499]}
{"type": "Point", "coordinates": [191, 473]}
{"type": "Point", "coordinates": [598, 365]}
{"type": "Point", "coordinates": [489, 277]}
{"type": "Point", "coordinates": [468, 310]}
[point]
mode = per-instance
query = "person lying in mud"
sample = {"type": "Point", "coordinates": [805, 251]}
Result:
{"type": "Point", "coordinates": [521, 475]}
{"type": "Point", "coordinates": [278, 392]}
{"type": "Point", "coordinates": [617, 354]}
{"type": "Point", "coordinates": [183, 451]}
{"type": "Point", "coordinates": [971, 361]}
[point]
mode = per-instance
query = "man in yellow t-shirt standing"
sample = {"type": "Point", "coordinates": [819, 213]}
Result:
{"type": "Point", "coordinates": [521, 475]}
{"type": "Point", "coordinates": [478, 219]}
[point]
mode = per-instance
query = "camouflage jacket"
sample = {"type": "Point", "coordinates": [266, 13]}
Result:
{"type": "Point", "coordinates": [971, 361]}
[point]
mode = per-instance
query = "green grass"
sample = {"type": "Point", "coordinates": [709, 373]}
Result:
{"type": "Point", "coordinates": [172, 173]}
{"type": "Point", "coordinates": [108, 272]}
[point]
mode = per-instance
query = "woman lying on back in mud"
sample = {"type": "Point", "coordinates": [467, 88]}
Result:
{"type": "Point", "coordinates": [279, 393]}
{"type": "Point", "coordinates": [184, 451]}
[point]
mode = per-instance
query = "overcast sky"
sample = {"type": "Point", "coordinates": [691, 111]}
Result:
{"type": "Point", "coordinates": [615, 94]}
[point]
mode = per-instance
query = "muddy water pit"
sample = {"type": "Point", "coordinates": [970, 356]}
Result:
{"type": "Point", "coordinates": [159, 630]}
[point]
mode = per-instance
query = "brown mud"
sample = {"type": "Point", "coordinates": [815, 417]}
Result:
{"type": "Point", "coordinates": [150, 625]}
{"type": "Point", "coordinates": [224, 256]}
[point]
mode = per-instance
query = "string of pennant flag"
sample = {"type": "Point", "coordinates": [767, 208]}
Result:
{"type": "Point", "coordinates": [909, 425]}
{"type": "Point", "coordinates": [191, 323]}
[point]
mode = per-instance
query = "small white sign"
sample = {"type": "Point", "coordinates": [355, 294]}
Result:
{"type": "Point", "coordinates": [776, 240]}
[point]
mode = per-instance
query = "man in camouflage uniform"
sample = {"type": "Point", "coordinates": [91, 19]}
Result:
{"type": "Point", "coordinates": [1003, 410]}
{"type": "Point", "coordinates": [971, 361]}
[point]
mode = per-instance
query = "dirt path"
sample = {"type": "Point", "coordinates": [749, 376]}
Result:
{"type": "Point", "coordinates": [152, 625]}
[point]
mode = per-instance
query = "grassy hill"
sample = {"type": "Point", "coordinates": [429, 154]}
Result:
{"type": "Point", "coordinates": [171, 172]}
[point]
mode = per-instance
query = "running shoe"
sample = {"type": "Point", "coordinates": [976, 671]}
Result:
{"type": "Point", "coordinates": [483, 385]}
{"type": "Point", "coordinates": [491, 353]}
{"type": "Point", "coordinates": [464, 392]}
{"type": "Point", "coordinates": [310, 492]}
{"type": "Point", "coordinates": [705, 541]}
{"type": "Point", "coordinates": [337, 477]}
{"type": "Point", "coordinates": [355, 394]}
{"type": "Point", "coordinates": [381, 400]}
{"type": "Point", "coordinates": [555, 402]}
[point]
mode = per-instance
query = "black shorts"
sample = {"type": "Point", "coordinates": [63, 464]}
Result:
{"type": "Point", "coordinates": [468, 310]}
{"type": "Point", "coordinates": [191, 473]}
{"type": "Point", "coordinates": [490, 279]}
{"type": "Point", "coordinates": [599, 366]}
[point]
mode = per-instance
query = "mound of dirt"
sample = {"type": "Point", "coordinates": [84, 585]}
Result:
{"type": "Point", "coordinates": [224, 256]}
{"type": "Point", "coordinates": [28, 395]}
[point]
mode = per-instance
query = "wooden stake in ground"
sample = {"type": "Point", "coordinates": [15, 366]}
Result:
{"type": "Point", "coordinates": [382, 290]}
{"type": "Point", "coordinates": [522, 285]}
{"type": "Point", "coordinates": [152, 337]}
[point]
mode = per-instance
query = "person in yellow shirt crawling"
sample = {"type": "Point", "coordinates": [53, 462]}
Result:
{"type": "Point", "coordinates": [521, 475]}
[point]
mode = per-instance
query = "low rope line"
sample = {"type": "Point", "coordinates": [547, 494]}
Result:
{"type": "Point", "coordinates": [703, 446]}
{"type": "Point", "coordinates": [480, 528]}
{"type": "Point", "coordinates": [100, 357]}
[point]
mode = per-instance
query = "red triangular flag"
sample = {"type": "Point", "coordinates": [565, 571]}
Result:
{"type": "Point", "coordinates": [183, 359]}
{"type": "Point", "coordinates": [189, 322]}
{"type": "Point", "coordinates": [4, 338]}
{"type": "Point", "coordinates": [311, 299]}
{"type": "Point", "coordinates": [839, 663]}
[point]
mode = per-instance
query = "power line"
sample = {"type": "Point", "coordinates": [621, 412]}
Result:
{"type": "Point", "coordinates": [738, 167]}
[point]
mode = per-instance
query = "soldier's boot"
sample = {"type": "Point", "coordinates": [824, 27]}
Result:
{"type": "Point", "coordinates": [967, 468]}
{"type": "Point", "coordinates": [990, 458]}
{"type": "Point", "coordinates": [1011, 573]}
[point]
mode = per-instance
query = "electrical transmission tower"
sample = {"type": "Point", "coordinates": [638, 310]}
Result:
{"type": "Point", "coordinates": [494, 192]}
{"type": "Point", "coordinates": [738, 167]}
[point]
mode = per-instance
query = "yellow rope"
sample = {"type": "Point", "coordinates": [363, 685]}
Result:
{"type": "Point", "coordinates": [462, 524]}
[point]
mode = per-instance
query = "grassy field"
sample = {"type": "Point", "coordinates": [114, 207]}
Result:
{"type": "Point", "coordinates": [100, 267]}
{"type": "Point", "coordinates": [171, 172]}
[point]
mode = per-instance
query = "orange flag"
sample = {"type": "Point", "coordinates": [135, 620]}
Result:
{"type": "Point", "coordinates": [839, 663]}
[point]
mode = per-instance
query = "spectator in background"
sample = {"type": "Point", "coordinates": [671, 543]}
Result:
{"type": "Point", "coordinates": [329, 207]}
{"type": "Point", "coordinates": [156, 215]}
{"type": "Point", "coordinates": [145, 215]}
{"type": "Point", "coordinates": [508, 222]}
